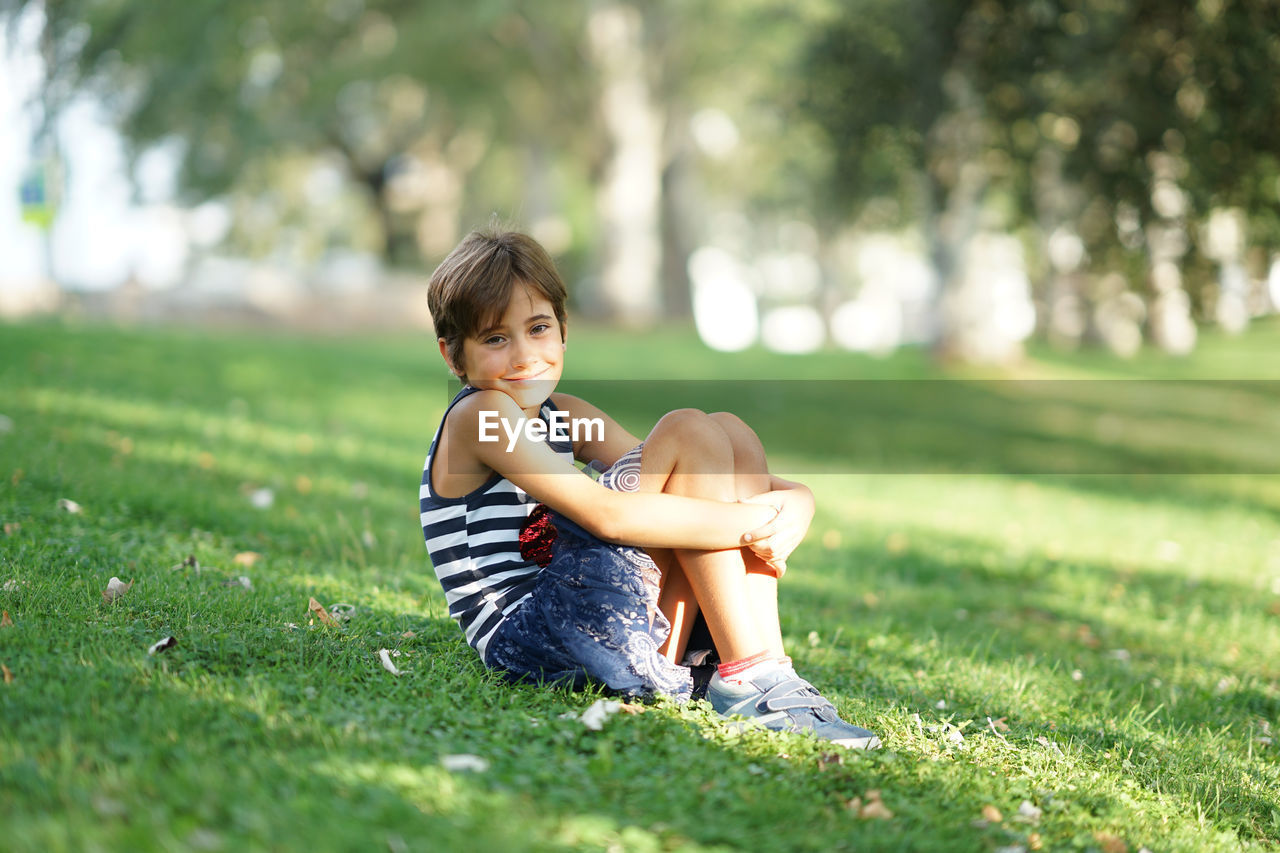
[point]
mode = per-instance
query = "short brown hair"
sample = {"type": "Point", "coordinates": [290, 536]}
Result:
{"type": "Point", "coordinates": [472, 286]}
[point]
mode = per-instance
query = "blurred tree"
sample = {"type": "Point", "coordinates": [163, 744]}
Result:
{"type": "Point", "coordinates": [1127, 120]}
{"type": "Point", "coordinates": [570, 116]}
{"type": "Point", "coordinates": [407, 97]}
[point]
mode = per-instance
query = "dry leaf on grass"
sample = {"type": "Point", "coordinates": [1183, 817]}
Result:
{"type": "Point", "coordinates": [1029, 812]}
{"type": "Point", "coordinates": [872, 809]}
{"type": "Point", "coordinates": [600, 710]}
{"type": "Point", "coordinates": [318, 611]}
{"type": "Point", "coordinates": [5, 621]}
{"type": "Point", "coordinates": [464, 763]}
{"type": "Point", "coordinates": [8, 675]}
{"type": "Point", "coordinates": [408, 635]}
{"type": "Point", "coordinates": [1049, 744]}
{"type": "Point", "coordinates": [12, 527]}
{"type": "Point", "coordinates": [115, 589]}
{"type": "Point", "coordinates": [70, 506]}
{"type": "Point", "coordinates": [1111, 843]}
{"type": "Point", "coordinates": [991, 814]}
{"type": "Point", "coordinates": [384, 655]}
{"type": "Point", "coordinates": [166, 643]}
{"type": "Point", "coordinates": [189, 563]}
{"type": "Point", "coordinates": [246, 558]}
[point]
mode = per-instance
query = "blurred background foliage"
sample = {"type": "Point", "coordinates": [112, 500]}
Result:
{"type": "Point", "coordinates": [957, 173]}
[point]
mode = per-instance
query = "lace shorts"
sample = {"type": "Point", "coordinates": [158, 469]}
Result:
{"type": "Point", "coordinates": [592, 616]}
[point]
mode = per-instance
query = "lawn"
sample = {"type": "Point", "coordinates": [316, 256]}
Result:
{"type": "Point", "coordinates": [1057, 603]}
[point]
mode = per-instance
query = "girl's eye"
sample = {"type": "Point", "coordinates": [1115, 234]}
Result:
{"type": "Point", "coordinates": [540, 328]}
{"type": "Point", "coordinates": [493, 340]}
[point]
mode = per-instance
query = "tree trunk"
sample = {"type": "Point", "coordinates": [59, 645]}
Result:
{"type": "Point", "coordinates": [1171, 326]}
{"type": "Point", "coordinates": [629, 198]}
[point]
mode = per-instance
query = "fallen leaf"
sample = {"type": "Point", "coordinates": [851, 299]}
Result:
{"type": "Point", "coordinates": [12, 527]}
{"type": "Point", "coordinates": [998, 724]}
{"type": "Point", "coordinates": [408, 635]}
{"type": "Point", "coordinates": [1049, 744]}
{"type": "Point", "coordinates": [1034, 841]}
{"type": "Point", "coordinates": [246, 558]}
{"type": "Point", "coordinates": [593, 718]}
{"type": "Point", "coordinates": [873, 809]}
{"type": "Point", "coordinates": [632, 710]}
{"type": "Point", "coordinates": [992, 814]}
{"type": "Point", "coordinates": [828, 759]}
{"type": "Point", "coordinates": [189, 563]}
{"type": "Point", "coordinates": [1111, 843]}
{"type": "Point", "coordinates": [5, 621]}
{"type": "Point", "coordinates": [464, 763]}
{"type": "Point", "coordinates": [70, 506]}
{"type": "Point", "coordinates": [385, 656]}
{"type": "Point", "coordinates": [115, 589]}
{"type": "Point", "coordinates": [1029, 811]}
{"type": "Point", "coordinates": [166, 643]}
{"type": "Point", "coordinates": [8, 675]}
{"type": "Point", "coordinates": [317, 610]}
{"type": "Point", "coordinates": [342, 612]}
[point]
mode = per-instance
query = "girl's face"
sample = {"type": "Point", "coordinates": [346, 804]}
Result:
{"type": "Point", "coordinates": [522, 354]}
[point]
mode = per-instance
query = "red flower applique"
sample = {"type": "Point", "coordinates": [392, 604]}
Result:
{"type": "Point", "coordinates": [537, 536]}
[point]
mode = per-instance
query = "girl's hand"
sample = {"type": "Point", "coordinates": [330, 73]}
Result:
{"type": "Point", "coordinates": [774, 541]}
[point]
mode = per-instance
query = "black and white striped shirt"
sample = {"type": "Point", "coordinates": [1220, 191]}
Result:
{"type": "Point", "coordinates": [474, 543]}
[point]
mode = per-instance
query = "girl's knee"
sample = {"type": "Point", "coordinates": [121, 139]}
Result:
{"type": "Point", "coordinates": [691, 428]}
{"type": "Point", "coordinates": [688, 441]}
{"type": "Point", "coordinates": [747, 449]}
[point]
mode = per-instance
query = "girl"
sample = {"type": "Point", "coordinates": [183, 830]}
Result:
{"type": "Point", "coordinates": [556, 577]}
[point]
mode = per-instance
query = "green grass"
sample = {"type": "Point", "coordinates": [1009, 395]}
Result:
{"type": "Point", "coordinates": [1120, 632]}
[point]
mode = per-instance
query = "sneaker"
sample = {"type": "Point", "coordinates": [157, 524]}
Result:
{"type": "Point", "coordinates": [782, 701]}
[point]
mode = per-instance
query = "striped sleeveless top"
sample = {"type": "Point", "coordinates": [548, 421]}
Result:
{"type": "Point", "coordinates": [474, 543]}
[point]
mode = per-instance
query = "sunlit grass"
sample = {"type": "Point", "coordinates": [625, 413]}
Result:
{"type": "Point", "coordinates": [1104, 648]}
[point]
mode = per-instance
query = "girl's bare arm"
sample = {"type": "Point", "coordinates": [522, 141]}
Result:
{"type": "Point", "coordinates": [646, 520]}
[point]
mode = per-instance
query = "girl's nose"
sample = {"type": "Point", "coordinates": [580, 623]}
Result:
{"type": "Point", "coordinates": [521, 353]}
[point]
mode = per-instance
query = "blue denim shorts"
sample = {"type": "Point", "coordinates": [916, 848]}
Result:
{"type": "Point", "coordinates": [592, 616]}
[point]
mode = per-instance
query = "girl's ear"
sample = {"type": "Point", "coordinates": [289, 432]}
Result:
{"type": "Point", "coordinates": [444, 353]}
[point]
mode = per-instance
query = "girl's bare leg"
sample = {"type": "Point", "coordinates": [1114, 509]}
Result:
{"type": "Point", "coordinates": [751, 477]}
{"type": "Point", "coordinates": [690, 453]}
